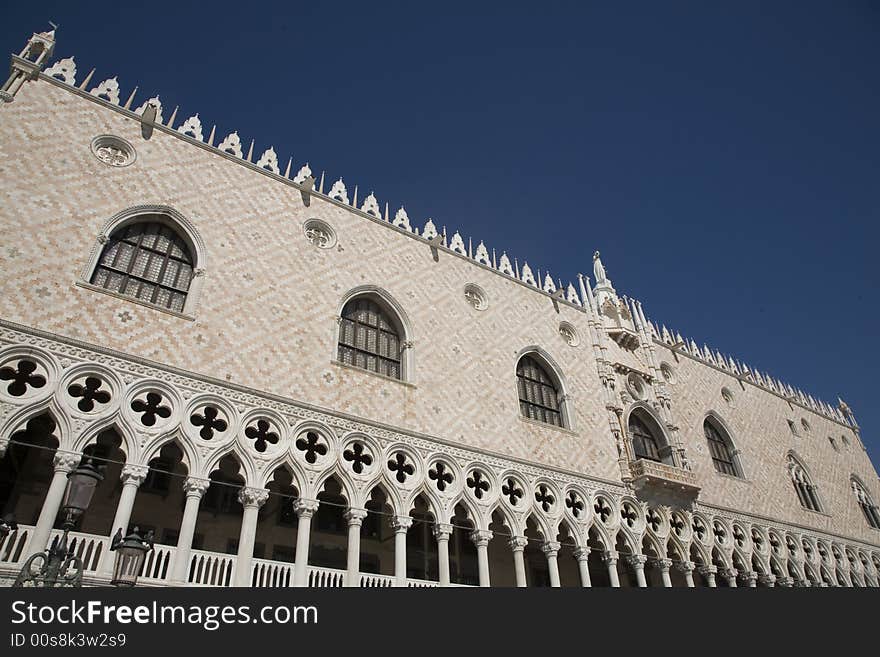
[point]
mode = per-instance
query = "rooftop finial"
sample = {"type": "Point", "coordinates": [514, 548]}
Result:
{"type": "Point", "coordinates": [598, 269]}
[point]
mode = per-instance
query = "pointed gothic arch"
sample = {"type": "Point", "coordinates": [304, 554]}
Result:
{"type": "Point", "coordinates": [647, 436]}
{"type": "Point", "coordinates": [541, 388]}
{"type": "Point", "coordinates": [722, 449]}
{"type": "Point", "coordinates": [865, 502]}
{"type": "Point", "coordinates": [807, 491]}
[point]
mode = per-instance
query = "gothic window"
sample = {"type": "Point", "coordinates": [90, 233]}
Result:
{"type": "Point", "coordinates": [149, 261]}
{"type": "Point", "coordinates": [803, 485]}
{"type": "Point", "coordinates": [644, 441]}
{"type": "Point", "coordinates": [369, 339]}
{"type": "Point", "coordinates": [538, 393]}
{"type": "Point", "coordinates": [872, 513]}
{"type": "Point", "coordinates": [720, 449]}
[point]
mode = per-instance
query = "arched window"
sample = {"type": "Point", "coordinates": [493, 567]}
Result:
{"type": "Point", "coordinates": [720, 449]}
{"type": "Point", "coordinates": [803, 486]}
{"type": "Point", "coordinates": [146, 260]}
{"type": "Point", "coordinates": [644, 442]}
{"type": "Point", "coordinates": [539, 396]}
{"type": "Point", "coordinates": [872, 514]}
{"type": "Point", "coordinates": [369, 339]}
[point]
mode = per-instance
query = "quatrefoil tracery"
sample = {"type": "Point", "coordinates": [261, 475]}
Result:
{"type": "Point", "coordinates": [654, 520]}
{"type": "Point", "coordinates": [440, 473]}
{"type": "Point", "coordinates": [677, 524]}
{"type": "Point", "coordinates": [545, 498]}
{"type": "Point", "coordinates": [603, 509]}
{"type": "Point", "coordinates": [628, 514]}
{"type": "Point", "coordinates": [151, 408]}
{"type": "Point", "coordinates": [21, 377]}
{"type": "Point", "coordinates": [89, 394]}
{"type": "Point", "coordinates": [399, 466]}
{"type": "Point", "coordinates": [312, 446]}
{"type": "Point", "coordinates": [477, 482]}
{"type": "Point", "coordinates": [358, 456]}
{"type": "Point", "coordinates": [262, 435]}
{"type": "Point", "coordinates": [699, 528]}
{"type": "Point", "coordinates": [512, 491]}
{"type": "Point", "coordinates": [210, 421]}
{"type": "Point", "coordinates": [574, 504]}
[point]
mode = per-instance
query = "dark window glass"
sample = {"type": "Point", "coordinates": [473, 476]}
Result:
{"type": "Point", "coordinates": [719, 450]}
{"type": "Point", "coordinates": [644, 443]}
{"type": "Point", "coordinates": [148, 261]}
{"type": "Point", "coordinates": [368, 339]}
{"type": "Point", "coordinates": [538, 396]}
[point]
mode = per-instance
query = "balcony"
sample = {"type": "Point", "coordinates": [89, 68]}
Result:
{"type": "Point", "coordinates": [657, 478]}
{"type": "Point", "coordinates": [205, 568]}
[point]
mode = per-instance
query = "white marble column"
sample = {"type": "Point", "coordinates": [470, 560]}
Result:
{"type": "Point", "coordinates": [731, 575]}
{"type": "Point", "coordinates": [132, 476]}
{"type": "Point", "coordinates": [687, 568]}
{"type": "Point", "coordinates": [304, 509]}
{"type": "Point", "coordinates": [752, 578]}
{"type": "Point", "coordinates": [194, 489]}
{"type": "Point", "coordinates": [251, 499]}
{"type": "Point", "coordinates": [582, 554]}
{"type": "Point", "coordinates": [355, 518]}
{"type": "Point", "coordinates": [481, 538]}
{"type": "Point", "coordinates": [517, 545]}
{"type": "Point", "coordinates": [551, 551]}
{"type": "Point", "coordinates": [64, 463]}
{"type": "Point", "coordinates": [400, 525]}
{"type": "Point", "coordinates": [610, 559]}
{"type": "Point", "coordinates": [664, 565]}
{"type": "Point", "coordinates": [709, 573]}
{"type": "Point", "coordinates": [442, 532]}
{"type": "Point", "coordinates": [637, 561]}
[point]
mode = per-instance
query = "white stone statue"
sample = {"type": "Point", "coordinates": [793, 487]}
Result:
{"type": "Point", "coordinates": [598, 269]}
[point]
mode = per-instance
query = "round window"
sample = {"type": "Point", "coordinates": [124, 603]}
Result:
{"type": "Point", "coordinates": [113, 151]}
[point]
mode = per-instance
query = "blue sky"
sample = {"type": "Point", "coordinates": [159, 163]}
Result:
{"type": "Point", "coordinates": [724, 158]}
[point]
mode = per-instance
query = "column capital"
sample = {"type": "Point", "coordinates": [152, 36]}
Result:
{"type": "Point", "coordinates": [686, 566]}
{"type": "Point", "coordinates": [550, 548]}
{"type": "Point", "coordinates": [518, 543]}
{"type": "Point", "coordinates": [731, 573]}
{"type": "Point", "coordinates": [65, 461]}
{"type": "Point", "coordinates": [708, 570]}
{"type": "Point", "coordinates": [305, 508]}
{"type": "Point", "coordinates": [785, 581]}
{"type": "Point", "coordinates": [481, 537]}
{"type": "Point", "coordinates": [582, 553]}
{"type": "Point", "coordinates": [442, 531]}
{"type": "Point", "coordinates": [610, 557]}
{"type": "Point", "coordinates": [637, 561]}
{"type": "Point", "coordinates": [253, 497]}
{"type": "Point", "coordinates": [401, 524]}
{"type": "Point", "coordinates": [767, 580]}
{"type": "Point", "coordinates": [195, 487]}
{"type": "Point", "coordinates": [355, 516]}
{"type": "Point", "coordinates": [750, 576]}
{"type": "Point", "coordinates": [133, 474]}
{"type": "Point", "coordinates": [663, 564]}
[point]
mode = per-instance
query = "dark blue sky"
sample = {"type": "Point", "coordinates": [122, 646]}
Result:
{"type": "Point", "coordinates": [724, 159]}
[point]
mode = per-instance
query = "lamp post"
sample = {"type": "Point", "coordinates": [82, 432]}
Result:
{"type": "Point", "coordinates": [59, 566]}
{"type": "Point", "coordinates": [130, 554]}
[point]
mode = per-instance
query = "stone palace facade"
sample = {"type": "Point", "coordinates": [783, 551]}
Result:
{"type": "Point", "coordinates": [290, 385]}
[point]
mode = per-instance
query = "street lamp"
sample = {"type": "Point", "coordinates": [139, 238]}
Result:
{"type": "Point", "coordinates": [130, 554]}
{"type": "Point", "coordinates": [59, 566]}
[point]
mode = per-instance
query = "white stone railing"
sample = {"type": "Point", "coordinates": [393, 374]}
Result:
{"type": "Point", "coordinates": [211, 568]}
{"type": "Point", "coordinates": [205, 568]}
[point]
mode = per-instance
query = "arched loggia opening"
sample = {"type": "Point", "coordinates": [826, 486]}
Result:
{"type": "Point", "coordinates": [537, 570]}
{"type": "Point", "coordinates": [675, 572]}
{"type": "Point", "coordinates": [26, 470]}
{"type": "Point", "coordinates": [377, 535]}
{"type": "Point", "coordinates": [463, 563]}
{"type": "Point", "coordinates": [328, 543]}
{"type": "Point", "coordinates": [104, 452]}
{"type": "Point", "coordinates": [219, 519]}
{"type": "Point", "coordinates": [721, 574]}
{"type": "Point", "coordinates": [699, 578]}
{"type": "Point", "coordinates": [503, 572]}
{"type": "Point", "coordinates": [422, 559]}
{"type": "Point", "coordinates": [625, 571]}
{"type": "Point", "coordinates": [569, 575]}
{"type": "Point", "coordinates": [653, 573]}
{"type": "Point", "coordinates": [599, 576]}
{"type": "Point", "coordinates": [277, 521]}
{"type": "Point", "coordinates": [158, 506]}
